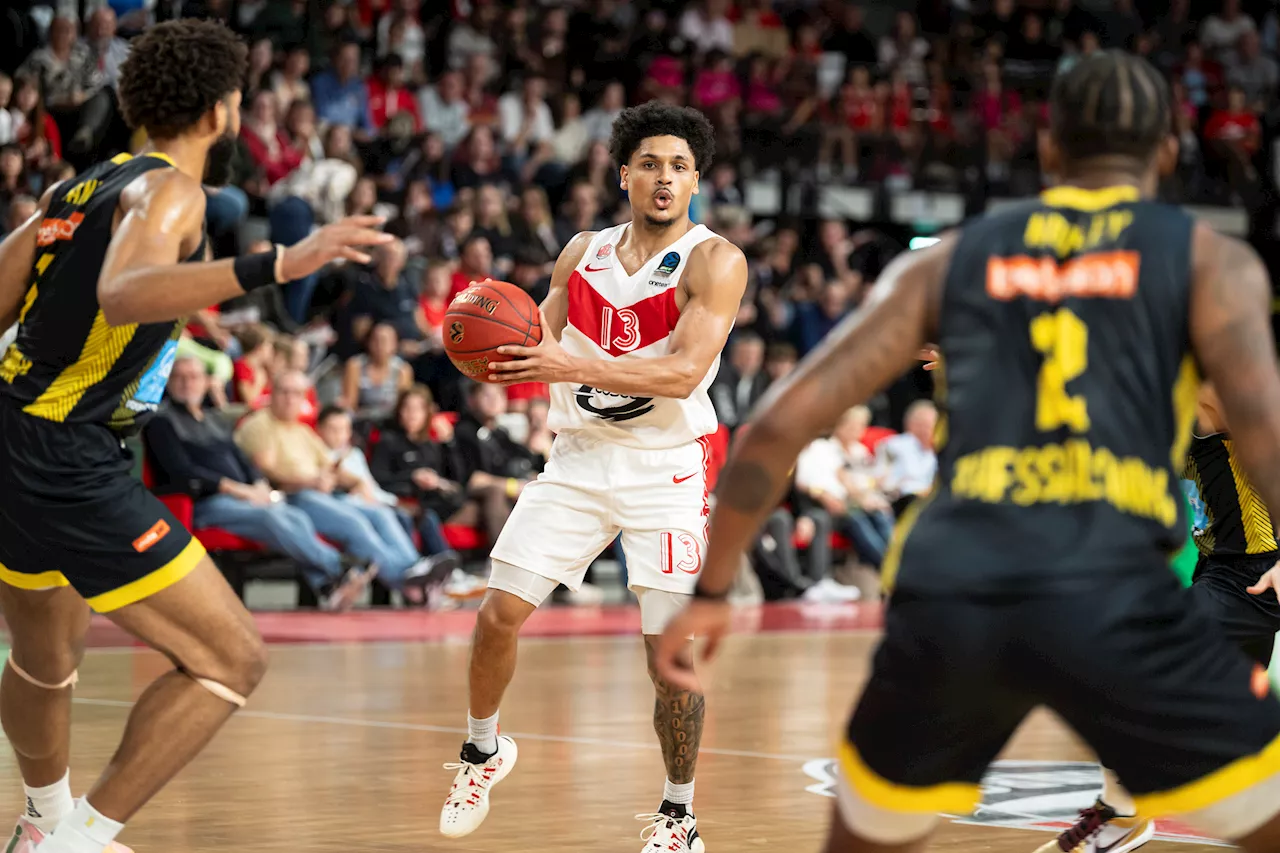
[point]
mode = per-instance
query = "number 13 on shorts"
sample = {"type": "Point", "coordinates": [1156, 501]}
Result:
{"type": "Point", "coordinates": [679, 551]}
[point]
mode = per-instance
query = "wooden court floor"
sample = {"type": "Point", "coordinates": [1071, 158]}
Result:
{"type": "Point", "coordinates": [341, 747]}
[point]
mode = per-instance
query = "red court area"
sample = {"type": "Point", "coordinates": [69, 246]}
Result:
{"type": "Point", "coordinates": [373, 626]}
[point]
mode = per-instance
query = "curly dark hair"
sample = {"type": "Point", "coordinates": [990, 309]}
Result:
{"type": "Point", "coordinates": [178, 71]}
{"type": "Point", "coordinates": [635, 124]}
{"type": "Point", "coordinates": [1110, 104]}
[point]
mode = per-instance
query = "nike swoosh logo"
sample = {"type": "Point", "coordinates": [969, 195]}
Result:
{"type": "Point", "coordinates": [678, 480]}
{"type": "Point", "coordinates": [589, 268]}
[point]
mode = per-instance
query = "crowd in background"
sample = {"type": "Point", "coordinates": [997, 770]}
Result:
{"type": "Point", "coordinates": [480, 130]}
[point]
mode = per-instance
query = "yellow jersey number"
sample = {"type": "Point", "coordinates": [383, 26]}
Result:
{"type": "Point", "coordinates": [1063, 339]}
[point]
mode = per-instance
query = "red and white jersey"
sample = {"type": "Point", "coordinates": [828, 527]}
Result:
{"type": "Point", "coordinates": [614, 316]}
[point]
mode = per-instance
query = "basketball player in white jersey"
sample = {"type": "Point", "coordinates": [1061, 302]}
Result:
{"type": "Point", "coordinates": [633, 327]}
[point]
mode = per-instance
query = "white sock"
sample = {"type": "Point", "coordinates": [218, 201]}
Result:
{"type": "Point", "coordinates": [680, 795]}
{"type": "Point", "coordinates": [50, 804]}
{"type": "Point", "coordinates": [483, 733]}
{"type": "Point", "coordinates": [85, 830]}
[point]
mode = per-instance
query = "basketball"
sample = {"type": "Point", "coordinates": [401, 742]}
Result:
{"type": "Point", "coordinates": [485, 316]}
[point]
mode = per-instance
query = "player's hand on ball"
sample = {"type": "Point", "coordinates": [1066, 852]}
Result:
{"type": "Point", "coordinates": [547, 362]}
{"type": "Point", "coordinates": [343, 239]}
{"type": "Point", "coordinates": [705, 620]}
{"type": "Point", "coordinates": [1271, 580]}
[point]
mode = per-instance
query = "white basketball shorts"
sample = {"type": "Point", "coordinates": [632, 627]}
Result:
{"type": "Point", "coordinates": [593, 490]}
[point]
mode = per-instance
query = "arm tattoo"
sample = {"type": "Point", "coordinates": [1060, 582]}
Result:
{"type": "Point", "coordinates": [746, 486]}
{"type": "Point", "coordinates": [678, 717]}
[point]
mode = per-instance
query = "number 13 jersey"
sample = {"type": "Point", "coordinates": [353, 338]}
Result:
{"type": "Point", "coordinates": [1067, 395]}
{"type": "Point", "coordinates": [614, 316]}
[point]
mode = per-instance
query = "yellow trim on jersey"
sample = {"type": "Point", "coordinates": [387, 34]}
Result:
{"type": "Point", "coordinates": [1186, 399]}
{"type": "Point", "coordinates": [951, 797]}
{"type": "Point", "coordinates": [1089, 201]}
{"type": "Point", "coordinates": [121, 159]}
{"type": "Point", "coordinates": [1259, 532]}
{"type": "Point", "coordinates": [22, 580]}
{"type": "Point", "coordinates": [162, 578]}
{"type": "Point", "coordinates": [1221, 784]}
{"type": "Point", "coordinates": [893, 554]}
{"type": "Point", "coordinates": [102, 349]}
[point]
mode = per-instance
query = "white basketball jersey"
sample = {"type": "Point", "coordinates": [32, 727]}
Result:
{"type": "Point", "coordinates": [614, 316]}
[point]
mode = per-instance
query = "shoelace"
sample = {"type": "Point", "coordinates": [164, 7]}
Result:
{"type": "Point", "coordinates": [656, 822]}
{"type": "Point", "coordinates": [468, 787]}
{"type": "Point", "coordinates": [1091, 821]}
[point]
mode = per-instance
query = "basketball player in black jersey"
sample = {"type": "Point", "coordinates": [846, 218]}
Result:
{"type": "Point", "coordinates": [1073, 329]}
{"type": "Point", "coordinates": [1238, 551]}
{"type": "Point", "coordinates": [97, 282]}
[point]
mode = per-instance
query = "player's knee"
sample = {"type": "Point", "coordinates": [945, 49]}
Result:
{"type": "Point", "coordinates": [501, 613]}
{"type": "Point", "coordinates": [52, 667]}
{"type": "Point", "coordinates": [231, 671]}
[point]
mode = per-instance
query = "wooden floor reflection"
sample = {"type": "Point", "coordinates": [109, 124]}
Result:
{"type": "Point", "coordinates": [340, 751]}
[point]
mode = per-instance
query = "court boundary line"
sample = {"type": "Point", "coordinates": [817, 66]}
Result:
{"type": "Point", "coordinates": [462, 730]}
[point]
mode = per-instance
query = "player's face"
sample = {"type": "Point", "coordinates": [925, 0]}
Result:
{"type": "Point", "coordinates": [660, 179]}
{"type": "Point", "coordinates": [222, 151]}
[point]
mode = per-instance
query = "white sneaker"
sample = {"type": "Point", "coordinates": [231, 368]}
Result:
{"type": "Point", "coordinates": [831, 591]}
{"type": "Point", "coordinates": [667, 833]}
{"type": "Point", "coordinates": [467, 805]}
{"type": "Point", "coordinates": [1101, 830]}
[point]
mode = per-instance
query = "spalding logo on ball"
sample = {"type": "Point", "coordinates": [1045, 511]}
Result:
{"type": "Point", "coordinates": [487, 315]}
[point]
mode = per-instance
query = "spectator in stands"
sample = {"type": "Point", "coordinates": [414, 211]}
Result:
{"type": "Point", "coordinates": [410, 463]}
{"type": "Point", "coordinates": [581, 212]}
{"type": "Point", "coordinates": [21, 208]}
{"type": "Point", "coordinates": [385, 294]}
{"type": "Point", "coordinates": [195, 455]}
{"type": "Point", "coordinates": [444, 109]}
{"type": "Point", "coordinates": [495, 468]}
{"type": "Point", "coordinates": [1255, 74]}
{"type": "Point", "coordinates": [14, 179]}
{"type": "Point", "coordinates": [534, 228]}
{"type": "Point", "coordinates": [372, 382]}
{"type": "Point", "coordinates": [472, 36]}
{"type": "Point", "coordinates": [741, 381]}
{"type": "Point", "coordinates": [1234, 135]}
{"type": "Point", "coordinates": [340, 506]}
{"type": "Point", "coordinates": [106, 50]}
{"type": "Point", "coordinates": [72, 86]}
{"type": "Point", "coordinates": [705, 25]}
{"type": "Point", "coordinates": [814, 320]}
{"type": "Point", "coordinates": [340, 95]}
{"type": "Point", "coordinates": [494, 225]}
{"type": "Point", "coordinates": [290, 82]}
{"type": "Point", "coordinates": [388, 96]}
{"type": "Point", "coordinates": [251, 376]}
{"type": "Point", "coordinates": [1221, 32]}
{"type": "Point", "coordinates": [524, 119]}
{"type": "Point", "coordinates": [272, 151]}
{"type": "Point", "coordinates": [476, 263]}
{"type": "Point", "coordinates": [903, 52]}
{"type": "Point", "coordinates": [779, 360]}
{"type": "Point", "coordinates": [261, 56]}
{"type": "Point", "coordinates": [478, 160]}
{"type": "Point", "coordinates": [835, 473]}
{"type": "Point", "coordinates": [38, 136]}
{"type": "Point", "coordinates": [908, 459]}
{"type": "Point", "coordinates": [335, 428]}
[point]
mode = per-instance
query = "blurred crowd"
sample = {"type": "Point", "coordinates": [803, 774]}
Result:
{"type": "Point", "coordinates": [480, 131]}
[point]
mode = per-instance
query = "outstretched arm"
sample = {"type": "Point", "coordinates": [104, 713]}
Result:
{"type": "Point", "coordinates": [717, 280]}
{"type": "Point", "coordinates": [1231, 334]}
{"type": "Point", "coordinates": [865, 353]}
{"type": "Point", "coordinates": [143, 279]}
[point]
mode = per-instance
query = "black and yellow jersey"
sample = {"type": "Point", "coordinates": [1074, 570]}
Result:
{"type": "Point", "coordinates": [68, 364]}
{"type": "Point", "coordinates": [1067, 395]}
{"type": "Point", "coordinates": [1239, 522]}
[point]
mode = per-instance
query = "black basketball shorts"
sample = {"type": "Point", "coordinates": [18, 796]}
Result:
{"type": "Point", "coordinates": [1152, 684]}
{"type": "Point", "coordinates": [1220, 585]}
{"type": "Point", "coordinates": [72, 513]}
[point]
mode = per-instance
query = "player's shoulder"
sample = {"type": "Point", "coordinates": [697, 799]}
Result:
{"type": "Point", "coordinates": [168, 192]}
{"type": "Point", "coordinates": [577, 246]}
{"type": "Point", "coordinates": [717, 257]}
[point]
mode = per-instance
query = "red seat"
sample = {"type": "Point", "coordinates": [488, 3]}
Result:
{"type": "Point", "coordinates": [874, 435]}
{"type": "Point", "coordinates": [463, 538]}
{"type": "Point", "coordinates": [214, 539]}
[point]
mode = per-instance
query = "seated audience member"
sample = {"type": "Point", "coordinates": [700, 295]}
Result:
{"type": "Point", "coordinates": [195, 455]}
{"type": "Point", "coordinates": [335, 429]}
{"type": "Point", "coordinates": [824, 473]}
{"type": "Point", "coordinates": [293, 353]}
{"type": "Point", "coordinates": [741, 381]}
{"type": "Point", "coordinates": [495, 467]}
{"type": "Point", "coordinates": [372, 382]}
{"type": "Point", "coordinates": [908, 459]}
{"type": "Point", "coordinates": [342, 508]}
{"type": "Point", "coordinates": [409, 463]}
{"type": "Point", "coordinates": [778, 564]}
{"type": "Point", "coordinates": [251, 373]}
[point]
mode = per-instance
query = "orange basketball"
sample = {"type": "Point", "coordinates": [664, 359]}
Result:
{"type": "Point", "coordinates": [485, 316]}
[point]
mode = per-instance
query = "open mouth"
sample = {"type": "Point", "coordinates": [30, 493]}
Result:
{"type": "Point", "coordinates": [663, 199]}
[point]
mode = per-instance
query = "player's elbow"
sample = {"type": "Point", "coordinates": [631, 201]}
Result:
{"type": "Point", "coordinates": [684, 380]}
{"type": "Point", "coordinates": [114, 302]}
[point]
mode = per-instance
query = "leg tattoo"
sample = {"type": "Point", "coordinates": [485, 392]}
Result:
{"type": "Point", "coordinates": [677, 719]}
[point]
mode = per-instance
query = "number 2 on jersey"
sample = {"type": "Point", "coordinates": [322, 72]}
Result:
{"type": "Point", "coordinates": [1063, 339]}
